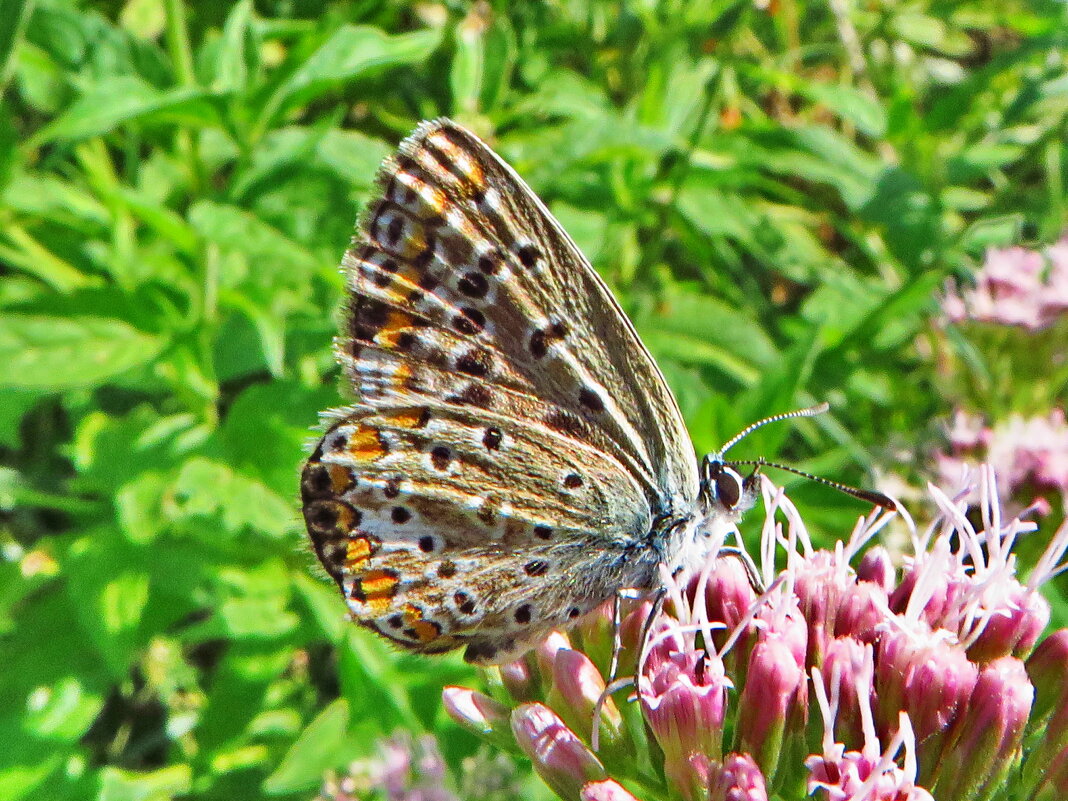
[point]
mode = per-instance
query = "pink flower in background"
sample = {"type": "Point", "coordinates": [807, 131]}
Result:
{"type": "Point", "coordinates": [403, 769]}
{"type": "Point", "coordinates": [1029, 455]}
{"type": "Point", "coordinates": [406, 768]}
{"type": "Point", "coordinates": [1014, 286]}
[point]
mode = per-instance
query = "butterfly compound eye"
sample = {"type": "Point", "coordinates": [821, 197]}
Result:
{"type": "Point", "coordinates": [728, 487]}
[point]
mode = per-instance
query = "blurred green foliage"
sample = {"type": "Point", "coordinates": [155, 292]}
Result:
{"type": "Point", "coordinates": [775, 194]}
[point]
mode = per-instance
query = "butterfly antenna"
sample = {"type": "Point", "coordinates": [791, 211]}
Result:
{"type": "Point", "coordinates": [871, 496]}
{"type": "Point", "coordinates": [811, 411]}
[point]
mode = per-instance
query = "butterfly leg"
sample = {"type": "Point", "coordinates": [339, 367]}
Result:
{"type": "Point", "coordinates": [613, 684]}
{"type": "Point", "coordinates": [647, 626]}
{"type": "Point", "coordinates": [750, 567]}
{"type": "Point", "coordinates": [617, 635]}
{"type": "Point", "coordinates": [617, 627]}
{"type": "Point", "coordinates": [635, 681]}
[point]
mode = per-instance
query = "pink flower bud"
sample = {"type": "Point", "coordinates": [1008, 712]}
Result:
{"type": "Point", "coordinates": [774, 696]}
{"type": "Point", "coordinates": [728, 592]}
{"type": "Point", "coordinates": [987, 735]}
{"type": "Point", "coordinates": [818, 584]}
{"type": "Point", "coordinates": [1014, 628]}
{"type": "Point", "coordinates": [545, 653]}
{"type": "Point", "coordinates": [853, 776]}
{"type": "Point", "coordinates": [473, 710]}
{"type": "Point", "coordinates": [480, 715]}
{"type": "Point", "coordinates": [577, 686]}
{"type": "Point", "coordinates": [664, 640]}
{"type": "Point", "coordinates": [844, 666]}
{"type": "Point", "coordinates": [694, 784]}
{"type": "Point", "coordinates": [594, 635]}
{"type": "Point", "coordinates": [1052, 776]}
{"type": "Point", "coordinates": [521, 679]}
{"type": "Point", "coordinates": [630, 633]}
{"type": "Point", "coordinates": [738, 779]}
{"type": "Point", "coordinates": [1048, 670]}
{"type": "Point", "coordinates": [862, 610]}
{"type": "Point", "coordinates": [943, 584]}
{"type": "Point", "coordinates": [607, 790]}
{"type": "Point", "coordinates": [559, 756]}
{"type": "Point", "coordinates": [920, 672]}
{"type": "Point", "coordinates": [876, 567]}
{"type": "Point", "coordinates": [899, 595]}
{"type": "Point", "coordinates": [871, 772]}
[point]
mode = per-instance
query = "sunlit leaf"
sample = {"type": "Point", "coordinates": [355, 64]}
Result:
{"type": "Point", "coordinates": [49, 353]}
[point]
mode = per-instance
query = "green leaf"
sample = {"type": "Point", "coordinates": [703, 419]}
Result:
{"type": "Point", "coordinates": [995, 231]}
{"type": "Point", "coordinates": [122, 601]}
{"type": "Point", "coordinates": [51, 197]}
{"type": "Point", "coordinates": [255, 602]}
{"type": "Point", "coordinates": [353, 51]}
{"type": "Point", "coordinates": [849, 103]}
{"type": "Point", "coordinates": [55, 353]}
{"type": "Point", "coordinates": [63, 711]}
{"type": "Point", "coordinates": [468, 63]}
{"type": "Point", "coordinates": [352, 155]}
{"type": "Point", "coordinates": [138, 506]}
{"type": "Point", "coordinates": [237, 50]}
{"type": "Point", "coordinates": [19, 779]}
{"type": "Point", "coordinates": [241, 231]}
{"type": "Point", "coordinates": [115, 101]}
{"type": "Point", "coordinates": [158, 785]}
{"type": "Point", "coordinates": [780, 388]}
{"type": "Point", "coordinates": [717, 213]}
{"type": "Point", "coordinates": [320, 748]}
{"type": "Point", "coordinates": [14, 14]}
{"type": "Point", "coordinates": [204, 488]}
{"type": "Point", "coordinates": [14, 404]}
{"type": "Point", "coordinates": [266, 431]}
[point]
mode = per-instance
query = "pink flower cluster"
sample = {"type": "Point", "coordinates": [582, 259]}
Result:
{"type": "Point", "coordinates": [1015, 286]}
{"type": "Point", "coordinates": [855, 683]}
{"type": "Point", "coordinates": [403, 770]}
{"type": "Point", "coordinates": [1029, 455]}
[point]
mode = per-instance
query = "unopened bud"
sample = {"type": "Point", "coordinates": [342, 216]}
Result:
{"type": "Point", "coordinates": [986, 737]}
{"type": "Point", "coordinates": [559, 756]}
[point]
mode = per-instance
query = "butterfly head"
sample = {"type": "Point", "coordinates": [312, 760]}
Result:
{"type": "Point", "coordinates": [724, 492]}
{"type": "Point", "coordinates": [725, 495]}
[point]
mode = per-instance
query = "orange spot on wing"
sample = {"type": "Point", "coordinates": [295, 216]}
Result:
{"type": "Point", "coordinates": [408, 419]}
{"type": "Point", "coordinates": [396, 324]}
{"type": "Point", "coordinates": [366, 444]}
{"type": "Point", "coordinates": [377, 588]}
{"type": "Point", "coordinates": [478, 178]}
{"type": "Point", "coordinates": [359, 552]}
{"type": "Point", "coordinates": [414, 243]}
{"type": "Point", "coordinates": [340, 478]}
{"type": "Point", "coordinates": [461, 160]}
{"type": "Point", "coordinates": [431, 196]}
{"type": "Point", "coordinates": [346, 516]}
{"type": "Point", "coordinates": [425, 630]}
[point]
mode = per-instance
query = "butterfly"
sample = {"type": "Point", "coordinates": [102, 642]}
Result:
{"type": "Point", "coordinates": [514, 457]}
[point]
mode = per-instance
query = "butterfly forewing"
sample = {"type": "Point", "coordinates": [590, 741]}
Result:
{"type": "Point", "coordinates": [512, 441]}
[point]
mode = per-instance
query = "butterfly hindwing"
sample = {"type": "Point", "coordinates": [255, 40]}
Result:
{"type": "Point", "coordinates": [417, 515]}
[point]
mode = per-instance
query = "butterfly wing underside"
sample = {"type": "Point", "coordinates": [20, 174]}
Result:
{"type": "Point", "coordinates": [512, 440]}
